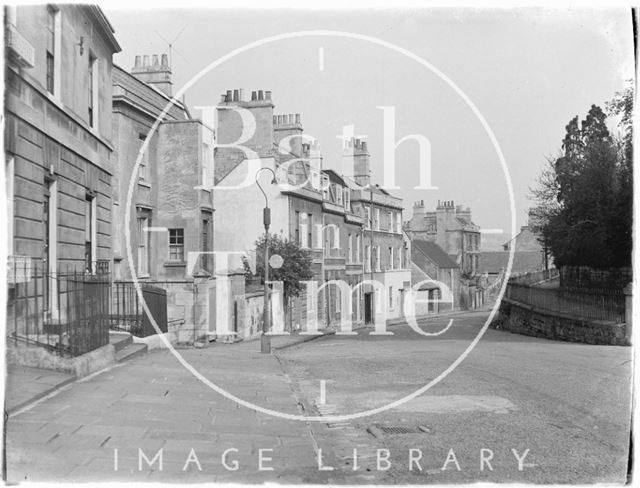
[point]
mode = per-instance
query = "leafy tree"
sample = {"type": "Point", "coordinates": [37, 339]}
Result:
{"type": "Point", "coordinates": [584, 196]}
{"type": "Point", "coordinates": [296, 266]}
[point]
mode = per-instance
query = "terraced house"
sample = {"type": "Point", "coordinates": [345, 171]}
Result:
{"type": "Point", "coordinates": [58, 157]}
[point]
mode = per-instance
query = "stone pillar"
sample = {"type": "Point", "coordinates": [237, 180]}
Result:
{"type": "Point", "coordinates": [628, 312]}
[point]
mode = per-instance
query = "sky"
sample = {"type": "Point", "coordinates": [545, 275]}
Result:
{"type": "Point", "coordinates": [527, 71]}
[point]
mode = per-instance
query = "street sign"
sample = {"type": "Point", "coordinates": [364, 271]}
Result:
{"type": "Point", "coordinates": [276, 261]}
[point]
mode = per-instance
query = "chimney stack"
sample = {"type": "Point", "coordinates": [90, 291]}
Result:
{"type": "Point", "coordinates": [260, 95]}
{"type": "Point", "coordinates": [154, 70]}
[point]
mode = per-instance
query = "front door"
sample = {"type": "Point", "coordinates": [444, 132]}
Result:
{"type": "Point", "coordinates": [368, 308]}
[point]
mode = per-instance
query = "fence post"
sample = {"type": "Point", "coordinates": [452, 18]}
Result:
{"type": "Point", "coordinates": [628, 312]}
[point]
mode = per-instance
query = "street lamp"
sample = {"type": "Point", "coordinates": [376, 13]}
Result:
{"type": "Point", "coordinates": [265, 339]}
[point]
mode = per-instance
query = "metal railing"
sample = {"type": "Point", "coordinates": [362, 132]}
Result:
{"type": "Point", "coordinates": [593, 306]}
{"type": "Point", "coordinates": [534, 276]}
{"type": "Point", "coordinates": [64, 312]}
{"type": "Point", "coordinates": [128, 314]}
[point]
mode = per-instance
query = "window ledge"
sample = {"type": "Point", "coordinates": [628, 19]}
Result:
{"type": "Point", "coordinates": [174, 264]}
{"type": "Point", "coordinates": [144, 183]}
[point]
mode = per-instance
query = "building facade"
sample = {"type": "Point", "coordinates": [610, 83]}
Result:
{"type": "Point", "coordinates": [386, 258]}
{"type": "Point", "coordinates": [59, 141]}
{"type": "Point", "coordinates": [451, 227]}
{"type": "Point", "coordinates": [169, 172]}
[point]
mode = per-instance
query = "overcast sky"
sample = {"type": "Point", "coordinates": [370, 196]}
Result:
{"type": "Point", "coordinates": [527, 71]}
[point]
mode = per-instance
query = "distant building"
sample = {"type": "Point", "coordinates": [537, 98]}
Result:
{"type": "Point", "coordinates": [58, 141]}
{"type": "Point", "coordinates": [450, 227]}
{"type": "Point", "coordinates": [430, 262]}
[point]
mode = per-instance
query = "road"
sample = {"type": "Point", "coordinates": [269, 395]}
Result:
{"type": "Point", "coordinates": [567, 404]}
{"type": "Point", "coordinates": [563, 408]}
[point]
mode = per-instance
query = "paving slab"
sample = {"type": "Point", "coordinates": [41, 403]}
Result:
{"type": "Point", "coordinates": [25, 385]}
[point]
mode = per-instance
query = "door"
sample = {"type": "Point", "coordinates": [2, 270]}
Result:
{"type": "Point", "coordinates": [368, 308]}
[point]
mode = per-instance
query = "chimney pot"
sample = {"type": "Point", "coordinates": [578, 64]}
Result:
{"type": "Point", "coordinates": [229, 95]}
{"type": "Point", "coordinates": [268, 95]}
{"type": "Point", "coordinates": [235, 95]}
{"type": "Point", "coordinates": [292, 118]}
{"type": "Point", "coordinates": [297, 118]}
{"type": "Point", "coordinates": [165, 60]}
{"type": "Point", "coordinates": [223, 98]}
{"type": "Point", "coordinates": [145, 60]}
{"type": "Point", "coordinates": [364, 146]}
{"type": "Point", "coordinates": [275, 119]}
{"type": "Point", "coordinates": [155, 59]}
{"type": "Point", "coordinates": [240, 94]}
{"type": "Point", "coordinates": [137, 62]}
{"type": "Point", "coordinates": [254, 96]}
{"type": "Point", "coordinates": [260, 95]}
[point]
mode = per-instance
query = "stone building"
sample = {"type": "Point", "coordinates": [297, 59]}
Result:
{"type": "Point", "coordinates": [386, 255]}
{"type": "Point", "coordinates": [307, 205]}
{"type": "Point", "coordinates": [58, 140]}
{"type": "Point", "coordinates": [451, 227]}
{"type": "Point", "coordinates": [430, 262]}
{"type": "Point", "coordinates": [171, 208]}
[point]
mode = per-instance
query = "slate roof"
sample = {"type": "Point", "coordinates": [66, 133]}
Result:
{"type": "Point", "coordinates": [433, 252]}
{"type": "Point", "coordinates": [523, 261]}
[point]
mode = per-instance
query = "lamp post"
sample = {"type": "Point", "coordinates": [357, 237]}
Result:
{"type": "Point", "coordinates": [265, 339]}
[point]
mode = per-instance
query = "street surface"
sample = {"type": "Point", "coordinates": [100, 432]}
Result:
{"type": "Point", "coordinates": [567, 404]}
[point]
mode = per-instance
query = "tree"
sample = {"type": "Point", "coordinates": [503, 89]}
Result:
{"type": "Point", "coordinates": [584, 196]}
{"type": "Point", "coordinates": [296, 266]}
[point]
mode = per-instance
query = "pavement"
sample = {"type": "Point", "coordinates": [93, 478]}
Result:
{"type": "Point", "coordinates": [25, 385]}
{"type": "Point", "coordinates": [564, 408]}
{"type": "Point", "coordinates": [105, 427]}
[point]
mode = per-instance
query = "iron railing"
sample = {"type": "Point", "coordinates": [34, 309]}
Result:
{"type": "Point", "coordinates": [593, 306]}
{"type": "Point", "coordinates": [533, 277]}
{"type": "Point", "coordinates": [128, 314]}
{"type": "Point", "coordinates": [65, 312]}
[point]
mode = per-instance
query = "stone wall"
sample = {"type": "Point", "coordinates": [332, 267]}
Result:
{"type": "Point", "coordinates": [523, 319]}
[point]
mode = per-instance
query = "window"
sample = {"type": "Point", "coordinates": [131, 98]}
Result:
{"type": "Point", "coordinates": [143, 246]}
{"type": "Point", "coordinates": [325, 187]}
{"type": "Point", "coordinates": [391, 297]}
{"type": "Point", "coordinates": [358, 258]}
{"type": "Point", "coordinates": [315, 180]}
{"type": "Point", "coordinates": [53, 50]}
{"type": "Point", "coordinates": [336, 237]}
{"type": "Point", "coordinates": [376, 220]}
{"type": "Point", "coordinates": [367, 218]}
{"type": "Point", "coordinates": [9, 172]}
{"type": "Point", "coordinates": [304, 229]}
{"type": "Point", "coordinates": [205, 247]}
{"type": "Point", "coordinates": [318, 236]}
{"type": "Point", "coordinates": [309, 231]}
{"type": "Point", "coordinates": [377, 263]}
{"type": "Point", "coordinates": [350, 249]}
{"type": "Point", "coordinates": [338, 193]}
{"type": "Point", "coordinates": [390, 225]}
{"type": "Point", "coordinates": [297, 228]}
{"type": "Point", "coordinates": [90, 234]}
{"type": "Point", "coordinates": [391, 258]}
{"type": "Point", "coordinates": [144, 161]}
{"type": "Point", "coordinates": [367, 261]}
{"type": "Point", "coordinates": [93, 91]}
{"type": "Point", "coordinates": [399, 222]}
{"type": "Point", "coordinates": [347, 199]}
{"type": "Point", "coordinates": [176, 245]}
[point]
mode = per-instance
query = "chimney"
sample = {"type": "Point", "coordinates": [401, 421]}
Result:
{"type": "Point", "coordinates": [230, 125]}
{"type": "Point", "coordinates": [355, 161]}
{"type": "Point", "coordinates": [268, 95]}
{"type": "Point", "coordinates": [288, 125]}
{"type": "Point", "coordinates": [156, 73]}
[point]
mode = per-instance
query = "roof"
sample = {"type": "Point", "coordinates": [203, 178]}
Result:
{"type": "Point", "coordinates": [433, 252]}
{"type": "Point", "coordinates": [523, 261]}
{"type": "Point", "coordinates": [334, 177]}
{"type": "Point", "coordinates": [418, 275]}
